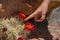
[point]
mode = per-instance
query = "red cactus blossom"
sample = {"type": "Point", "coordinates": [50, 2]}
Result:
{"type": "Point", "coordinates": [21, 16]}
{"type": "Point", "coordinates": [29, 26]}
{"type": "Point", "coordinates": [21, 37]}
{"type": "Point", "coordinates": [27, 23]}
{"type": "Point", "coordinates": [4, 29]}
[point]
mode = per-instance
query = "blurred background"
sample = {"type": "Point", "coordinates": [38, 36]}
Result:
{"type": "Point", "coordinates": [9, 8]}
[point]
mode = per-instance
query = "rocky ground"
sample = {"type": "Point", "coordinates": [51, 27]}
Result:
{"type": "Point", "coordinates": [54, 23]}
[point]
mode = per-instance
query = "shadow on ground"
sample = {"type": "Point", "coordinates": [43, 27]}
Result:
{"type": "Point", "coordinates": [41, 30]}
